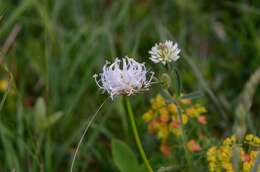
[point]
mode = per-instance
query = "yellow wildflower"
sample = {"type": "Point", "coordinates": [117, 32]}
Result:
{"type": "Point", "coordinates": [162, 118]}
{"type": "Point", "coordinates": [220, 158]}
{"type": "Point", "coordinates": [191, 112]}
{"type": "Point", "coordinates": [253, 154]}
{"type": "Point", "coordinates": [211, 154]}
{"type": "Point", "coordinates": [229, 141]}
{"type": "Point", "coordinates": [158, 102]}
{"type": "Point", "coordinates": [176, 131]}
{"type": "Point", "coordinates": [172, 108]}
{"type": "Point", "coordinates": [163, 132]}
{"type": "Point", "coordinates": [248, 161]}
{"type": "Point", "coordinates": [200, 109]}
{"type": "Point", "coordinates": [252, 140]}
{"type": "Point", "coordinates": [212, 159]}
{"type": "Point", "coordinates": [185, 119]}
{"type": "Point", "coordinates": [148, 116]}
{"type": "Point", "coordinates": [228, 167]}
{"type": "Point", "coordinates": [247, 166]}
{"type": "Point", "coordinates": [249, 137]}
{"type": "Point", "coordinates": [164, 115]}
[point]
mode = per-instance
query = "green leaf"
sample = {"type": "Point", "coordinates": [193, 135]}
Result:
{"type": "Point", "coordinates": [193, 95]}
{"type": "Point", "coordinates": [52, 119]}
{"type": "Point", "coordinates": [40, 113]}
{"type": "Point", "coordinates": [124, 157]}
{"type": "Point", "coordinates": [142, 168]}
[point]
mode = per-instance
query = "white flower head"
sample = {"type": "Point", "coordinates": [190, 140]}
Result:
{"type": "Point", "coordinates": [123, 77]}
{"type": "Point", "coordinates": [165, 52]}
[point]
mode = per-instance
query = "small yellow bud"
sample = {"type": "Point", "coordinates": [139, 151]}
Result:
{"type": "Point", "coordinates": [3, 85]}
{"type": "Point", "coordinates": [249, 137]}
{"type": "Point", "coordinates": [172, 108]}
{"type": "Point", "coordinates": [185, 119]}
{"type": "Point", "coordinates": [158, 102]}
{"type": "Point", "coordinates": [148, 116]}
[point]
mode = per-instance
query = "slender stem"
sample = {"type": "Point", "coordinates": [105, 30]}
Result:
{"type": "Point", "coordinates": [183, 137]}
{"type": "Point", "coordinates": [137, 137]}
{"type": "Point", "coordinates": [89, 122]}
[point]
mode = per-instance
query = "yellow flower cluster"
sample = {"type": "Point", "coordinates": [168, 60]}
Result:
{"type": "Point", "coordinates": [163, 119]}
{"type": "Point", "coordinates": [252, 140]}
{"type": "Point", "coordinates": [220, 158]}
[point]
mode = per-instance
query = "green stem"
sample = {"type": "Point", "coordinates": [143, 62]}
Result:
{"type": "Point", "coordinates": [137, 137]}
{"type": "Point", "coordinates": [183, 138]}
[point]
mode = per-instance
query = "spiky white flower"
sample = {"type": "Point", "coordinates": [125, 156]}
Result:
{"type": "Point", "coordinates": [165, 52]}
{"type": "Point", "coordinates": [123, 77]}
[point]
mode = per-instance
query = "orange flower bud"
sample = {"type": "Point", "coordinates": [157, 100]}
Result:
{"type": "Point", "coordinates": [164, 115]}
{"type": "Point", "coordinates": [186, 101]}
{"type": "Point", "coordinates": [245, 157]}
{"type": "Point", "coordinates": [193, 146]}
{"type": "Point", "coordinates": [175, 124]}
{"type": "Point", "coordinates": [202, 119]}
{"type": "Point", "coordinates": [165, 149]}
{"type": "Point", "coordinates": [152, 126]}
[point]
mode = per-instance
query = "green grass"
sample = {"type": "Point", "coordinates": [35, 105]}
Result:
{"type": "Point", "coordinates": [61, 45]}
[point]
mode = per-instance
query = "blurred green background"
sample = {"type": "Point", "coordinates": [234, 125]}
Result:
{"type": "Point", "coordinates": [57, 45]}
